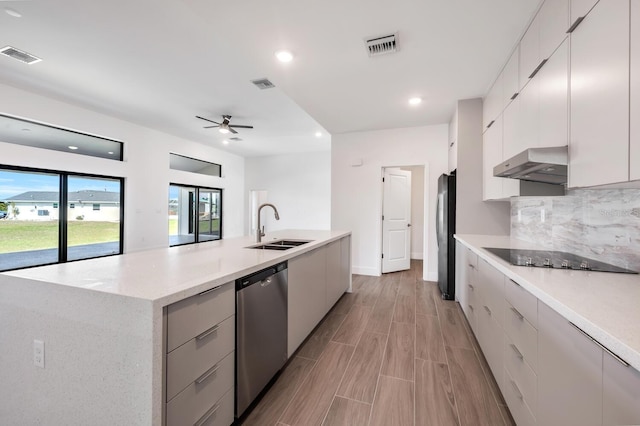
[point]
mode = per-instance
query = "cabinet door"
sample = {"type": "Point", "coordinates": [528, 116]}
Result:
{"type": "Point", "coordinates": [528, 127]}
{"type": "Point", "coordinates": [306, 295]}
{"type": "Point", "coordinates": [569, 373]}
{"type": "Point", "coordinates": [621, 393]}
{"type": "Point", "coordinates": [492, 283]}
{"type": "Point", "coordinates": [511, 78]}
{"type": "Point", "coordinates": [491, 157]}
{"type": "Point", "coordinates": [462, 290]}
{"type": "Point", "coordinates": [553, 115]}
{"type": "Point", "coordinates": [511, 142]}
{"type": "Point", "coordinates": [345, 263]}
{"type": "Point", "coordinates": [600, 97]}
{"type": "Point", "coordinates": [491, 339]}
{"type": "Point", "coordinates": [634, 140]}
{"type": "Point", "coordinates": [529, 51]}
{"type": "Point", "coordinates": [335, 287]}
{"type": "Point", "coordinates": [554, 22]}
{"type": "Point", "coordinates": [580, 8]}
{"type": "Point", "coordinates": [492, 103]}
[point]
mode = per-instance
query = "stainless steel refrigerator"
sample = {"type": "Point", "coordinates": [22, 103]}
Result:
{"type": "Point", "coordinates": [445, 228]}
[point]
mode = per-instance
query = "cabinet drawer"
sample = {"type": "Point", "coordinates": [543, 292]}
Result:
{"type": "Point", "coordinates": [190, 317]}
{"type": "Point", "coordinates": [522, 334]}
{"type": "Point", "coordinates": [191, 360]}
{"type": "Point", "coordinates": [525, 302]}
{"type": "Point", "coordinates": [516, 403]}
{"type": "Point", "coordinates": [521, 373]}
{"type": "Point", "coordinates": [472, 264]}
{"type": "Point", "coordinates": [491, 291]}
{"type": "Point", "coordinates": [198, 399]}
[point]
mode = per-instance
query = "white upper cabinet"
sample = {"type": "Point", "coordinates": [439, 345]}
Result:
{"type": "Point", "coordinates": [511, 78]}
{"type": "Point", "coordinates": [600, 97]}
{"type": "Point", "coordinates": [554, 23]}
{"type": "Point", "coordinates": [580, 8]}
{"type": "Point", "coordinates": [528, 126]}
{"type": "Point", "coordinates": [553, 111]}
{"type": "Point", "coordinates": [511, 142]}
{"type": "Point", "coordinates": [495, 188]}
{"type": "Point", "coordinates": [634, 141]}
{"type": "Point", "coordinates": [529, 51]}
{"type": "Point", "coordinates": [492, 105]}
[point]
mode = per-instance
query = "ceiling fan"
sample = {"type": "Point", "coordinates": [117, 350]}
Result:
{"type": "Point", "coordinates": [224, 127]}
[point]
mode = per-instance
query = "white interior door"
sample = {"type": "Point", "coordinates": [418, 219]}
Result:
{"type": "Point", "coordinates": [396, 220]}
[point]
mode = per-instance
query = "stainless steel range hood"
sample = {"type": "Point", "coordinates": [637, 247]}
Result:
{"type": "Point", "coordinates": [548, 165]}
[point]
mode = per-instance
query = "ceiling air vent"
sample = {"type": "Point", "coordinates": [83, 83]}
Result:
{"type": "Point", "coordinates": [382, 45]}
{"type": "Point", "coordinates": [19, 55]}
{"type": "Point", "coordinates": [263, 83]}
{"type": "Point", "coordinates": [237, 139]}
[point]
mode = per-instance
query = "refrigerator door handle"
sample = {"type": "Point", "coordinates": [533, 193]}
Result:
{"type": "Point", "coordinates": [438, 221]}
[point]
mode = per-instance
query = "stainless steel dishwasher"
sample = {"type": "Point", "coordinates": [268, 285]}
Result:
{"type": "Point", "coordinates": [261, 331]}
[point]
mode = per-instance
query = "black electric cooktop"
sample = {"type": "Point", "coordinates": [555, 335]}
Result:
{"type": "Point", "coordinates": [554, 259]}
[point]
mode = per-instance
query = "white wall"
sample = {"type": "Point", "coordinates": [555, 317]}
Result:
{"type": "Point", "coordinates": [299, 185]}
{"type": "Point", "coordinates": [145, 169]}
{"type": "Point", "coordinates": [356, 191]}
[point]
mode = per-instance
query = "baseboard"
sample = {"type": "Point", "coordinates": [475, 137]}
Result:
{"type": "Point", "coordinates": [417, 255]}
{"type": "Point", "coordinates": [363, 270]}
{"type": "Point", "coordinates": [431, 276]}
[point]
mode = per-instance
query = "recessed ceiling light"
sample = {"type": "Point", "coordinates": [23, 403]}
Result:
{"type": "Point", "coordinates": [225, 142]}
{"type": "Point", "coordinates": [284, 56]}
{"type": "Point", "coordinates": [13, 12]}
{"type": "Point", "coordinates": [72, 147]}
{"type": "Point", "coordinates": [318, 134]}
{"type": "Point", "coordinates": [110, 152]}
{"type": "Point", "coordinates": [415, 101]}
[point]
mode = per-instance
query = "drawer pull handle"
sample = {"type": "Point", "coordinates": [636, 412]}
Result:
{"type": "Point", "coordinates": [471, 287]}
{"type": "Point", "coordinates": [207, 374]}
{"type": "Point", "coordinates": [208, 332]}
{"type": "Point", "coordinates": [603, 347]}
{"type": "Point", "coordinates": [573, 27]}
{"type": "Point", "coordinates": [471, 307]}
{"type": "Point", "coordinates": [518, 314]}
{"type": "Point", "coordinates": [486, 308]}
{"type": "Point", "coordinates": [515, 388]}
{"type": "Point", "coordinates": [472, 266]}
{"type": "Point", "coordinates": [207, 415]}
{"type": "Point", "coordinates": [514, 282]}
{"type": "Point", "coordinates": [518, 353]}
{"type": "Point", "coordinates": [211, 290]}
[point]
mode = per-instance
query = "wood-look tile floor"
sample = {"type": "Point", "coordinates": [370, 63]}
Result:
{"type": "Point", "coordinates": [390, 353]}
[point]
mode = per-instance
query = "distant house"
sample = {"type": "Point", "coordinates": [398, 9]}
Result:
{"type": "Point", "coordinates": [83, 205]}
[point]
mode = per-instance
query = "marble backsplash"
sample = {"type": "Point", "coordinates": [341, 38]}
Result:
{"type": "Point", "coordinates": [601, 224]}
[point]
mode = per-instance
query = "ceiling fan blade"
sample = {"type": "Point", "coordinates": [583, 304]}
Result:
{"type": "Point", "coordinates": [232, 131]}
{"type": "Point", "coordinates": [240, 126]}
{"type": "Point", "coordinates": [206, 119]}
{"type": "Point", "coordinates": [210, 127]}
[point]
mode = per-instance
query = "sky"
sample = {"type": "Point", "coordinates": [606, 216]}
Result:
{"type": "Point", "coordinates": [14, 183]}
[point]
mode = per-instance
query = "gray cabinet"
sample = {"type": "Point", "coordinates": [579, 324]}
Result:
{"type": "Point", "coordinates": [307, 295]}
{"type": "Point", "coordinates": [600, 96]}
{"type": "Point", "coordinates": [621, 392]}
{"type": "Point", "coordinates": [338, 270]}
{"type": "Point", "coordinates": [570, 373]}
{"type": "Point", "coordinates": [200, 358]}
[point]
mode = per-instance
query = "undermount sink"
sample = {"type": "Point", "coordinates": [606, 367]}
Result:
{"type": "Point", "coordinates": [280, 244]}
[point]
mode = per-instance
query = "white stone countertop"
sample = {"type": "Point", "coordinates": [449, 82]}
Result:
{"type": "Point", "coordinates": [166, 275]}
{"type": "Point", "coordinates": [604, 305]}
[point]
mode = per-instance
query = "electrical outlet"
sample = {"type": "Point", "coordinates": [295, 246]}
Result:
{"type": "Point", "coordinates": [38, 353]}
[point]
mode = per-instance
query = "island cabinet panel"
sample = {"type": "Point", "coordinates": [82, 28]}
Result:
{"type": "Point", "coordinates": [621, 392]}
{"type": "Point", "coordinates": [338, 271]}
{"type": "Point", "coordinates": [599, 113]}
{"type": "Point", "coordinates": [307, 295]}
{"type": "Point", "coordinates": [569, 373]}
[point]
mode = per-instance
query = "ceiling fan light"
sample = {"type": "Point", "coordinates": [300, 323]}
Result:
{"type": "Point", "coordinates": [224, 129]}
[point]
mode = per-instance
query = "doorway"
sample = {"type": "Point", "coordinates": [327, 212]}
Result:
{"type": "Point", "coordinates": [403, 214]}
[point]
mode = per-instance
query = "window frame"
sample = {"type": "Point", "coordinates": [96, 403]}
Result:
{"type": "Point", "coordinates": [196, 228]}
{"type": "Point", "coordinates": [63, 216]}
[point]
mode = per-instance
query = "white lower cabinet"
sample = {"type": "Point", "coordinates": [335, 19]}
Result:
{"type": "Point", "coordinates": [621, 392]}
{"type": "Point", "coordinates": [317, 279]}
{"type": "Point", "coordinates": [570, 373]}
{"type": "Point", "coordinates": [200, 358]}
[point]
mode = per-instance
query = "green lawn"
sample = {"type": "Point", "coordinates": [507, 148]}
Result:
{"type": "Point", "coordinates": [20, 235]}
{"type": "Point", "coordinates": [204, 226]}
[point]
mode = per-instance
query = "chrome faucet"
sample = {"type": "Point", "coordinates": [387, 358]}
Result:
{"type": "Point", "coordinates": [260, 232]}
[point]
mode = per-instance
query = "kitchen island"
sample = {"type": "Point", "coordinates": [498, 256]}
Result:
{"type": "Point", "coordinates": [103, 324]}
{"type": "Point", "coordinates": [563, 345]}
